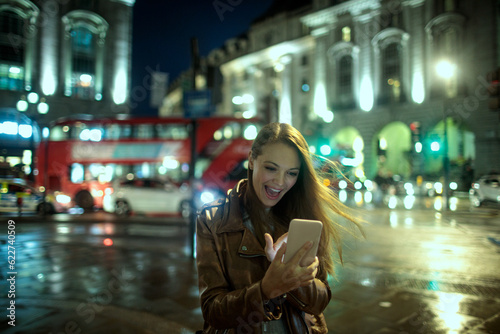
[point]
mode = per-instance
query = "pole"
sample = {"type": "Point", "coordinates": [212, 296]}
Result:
{"type": "Point", "coordinates": [446, 165]}
{"type": "Point", "coordinates": [46, 172]}
{"type": "Point", "coordinates": [192, 163]}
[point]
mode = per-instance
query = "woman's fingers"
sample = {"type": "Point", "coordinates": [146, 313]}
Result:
{"type": "Point", "coordinates": [283, 238]}
{"type": "Point", "coordinates": [296, 259]}
{"type": "Point", "coordinates": [281, 252]}
{"type": "Point", "coordinates": [269, 240]}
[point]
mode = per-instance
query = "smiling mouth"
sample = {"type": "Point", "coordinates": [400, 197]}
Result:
{"type": "Point", "coordinates": [272, 193]}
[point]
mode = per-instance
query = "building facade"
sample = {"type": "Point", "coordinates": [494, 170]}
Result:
{"type": "Point", "coordinates": [387, 87]}
{"type": "Point", "coordinates": [58, 59]}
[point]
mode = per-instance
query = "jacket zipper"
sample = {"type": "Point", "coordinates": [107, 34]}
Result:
{"type": "Point", "coordinates": [300, 302]}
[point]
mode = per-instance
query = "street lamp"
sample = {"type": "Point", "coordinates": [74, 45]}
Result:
{"type": "Point", "coordinates": [446, 70]}
{"type": "Point", "coordinates": [23, 105]}
{"type": "Point", "coordinates": [32, 99]}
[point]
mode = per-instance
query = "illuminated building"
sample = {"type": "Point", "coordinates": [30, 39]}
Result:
{"type": "Point", "coordinates": [361, 73]}
{"type": "Point", "coordinates": [62, 58]}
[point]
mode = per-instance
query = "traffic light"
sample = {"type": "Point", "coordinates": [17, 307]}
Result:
{"type": "Point", "coordinates": [416, 136]}
{"type": "Point", "coordinates": [493, 78]}
{"type": "Point", "coordinates": [415, 130]}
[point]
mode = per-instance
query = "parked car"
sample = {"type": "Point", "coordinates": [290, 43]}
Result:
{"type": "Point", "coordinates": [487, 188]}
{"type": "Point", "coordinates": [16, 196]}
{"type": "Point", "coordinates": [148, 196]}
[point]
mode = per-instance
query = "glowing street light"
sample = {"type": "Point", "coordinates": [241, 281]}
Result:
{"type": "Point", "coordinates": [445, 69]}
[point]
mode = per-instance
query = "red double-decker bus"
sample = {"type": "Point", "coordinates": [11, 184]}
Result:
{"type": "Point", "coordinates": [82, 157]}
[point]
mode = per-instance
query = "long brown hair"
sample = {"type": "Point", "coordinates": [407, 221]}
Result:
{"type": "Point", "coordinates": [309, 198]}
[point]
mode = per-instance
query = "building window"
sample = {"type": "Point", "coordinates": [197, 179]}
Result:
{"type": "Point", "coordinates": [450, 5]}
{"type": "Point", "coordinates": [346, 34]}
{"type": "Point", "coordinates": [443, 6]}
{"type": "Point", "coordinates": [391, 74]}
{"type": "Point", "coordinates": [83, 56]}
{"type": "Point", "coordinates": [11, 52]}
{"type": "Point", "coordinates": [304, 60]}
{"type": "Point", "coordinates": [345, 91]}
{"type": "Point", "coordinates": [83, 63]}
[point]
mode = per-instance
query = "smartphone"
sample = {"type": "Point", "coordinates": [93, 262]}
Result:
{"type": "Point", "coordinates": [300, 232]}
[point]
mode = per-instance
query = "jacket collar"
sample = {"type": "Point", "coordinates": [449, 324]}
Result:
{"type": "Point", "coordinates": [233, 218]}
{"type": "Point", "coordinates": [233, 222]}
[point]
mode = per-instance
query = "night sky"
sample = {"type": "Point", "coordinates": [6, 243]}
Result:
{"type": "Point", "coordinates": [162, 32]}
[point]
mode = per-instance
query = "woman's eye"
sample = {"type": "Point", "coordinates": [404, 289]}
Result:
{"type": "Point", "coordinates": [293, 174]}
{"type": "Point", "coordinates": [270, 168]}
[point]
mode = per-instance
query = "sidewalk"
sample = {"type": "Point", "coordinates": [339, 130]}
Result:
{"type": "Point", "coordinates": [60, 317]}
{"type": "Point", "coordinates": [380, 306]}
{"type": "Point", "coordinates": [149, 285]}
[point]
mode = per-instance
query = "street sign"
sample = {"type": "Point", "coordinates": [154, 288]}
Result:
{"type": "Point", "coordinates": [197, 103]}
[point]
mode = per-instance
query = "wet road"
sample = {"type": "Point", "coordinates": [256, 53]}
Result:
{"type": "Point", "coordinates": [418, 271]}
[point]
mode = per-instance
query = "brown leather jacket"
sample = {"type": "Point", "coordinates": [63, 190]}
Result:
{"type": "Point", "coordinates": [231, 264]}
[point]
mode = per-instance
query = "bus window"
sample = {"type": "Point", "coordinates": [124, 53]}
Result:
{"type": "Point", "coordinates": [112, 132]}
{"type": "Point", "coordinates": [228, 132]}
{"type": "Point", "coordinates": [76, 173]}
{"type": "Point", "coordinates": [59, 133]}
{"type": "Point", "coordinates": [167, 131]}
{"type": "Point", "coordinates": [80, 131]}
{"type": "Point", "coordinates": [144, 131]}
{"type": "Point", "coordinates": [95, 133]}
{"type": "Point", "coordinates": [100, 172]}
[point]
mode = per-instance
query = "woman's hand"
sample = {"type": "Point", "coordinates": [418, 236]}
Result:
{"type": "Point", "coordinates": [283, 277]}
{"type": "Point", "coordinates": [272, 248]}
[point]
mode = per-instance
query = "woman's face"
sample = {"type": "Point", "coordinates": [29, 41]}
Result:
{"type": "Point", "coordinates": [274, 172]}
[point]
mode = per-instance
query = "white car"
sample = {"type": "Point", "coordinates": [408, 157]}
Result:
{"type": "Point", "coordinates": [487, 188]}
{"type": "Point", "coordinates": [148, 196]}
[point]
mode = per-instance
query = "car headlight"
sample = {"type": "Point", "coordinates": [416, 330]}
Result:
{"type": "Point", "coordinates": [207, 197]}
{"type": "Point", "coordinates": [63, 199]}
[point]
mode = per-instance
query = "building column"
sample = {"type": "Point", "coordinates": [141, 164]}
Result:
{"type": "Point", "coordinates": [415, 13]}
{"type": "Point", "coordinates": [252, 90]}
{"type": "Point", "coordinates": [285, 104]}
{"type": "Point", "coordinates": [365, 92]}
{"type": "Point", "coordinates": [49, 57]}
{"type": "Point", "coordinates": [66, 69]}
{"type": "Point", "coordinates": [30, 50]}
{"type": "Point", "coordinates": [320, 103]}
{"type": "Point", "coordinates": [123, 52]}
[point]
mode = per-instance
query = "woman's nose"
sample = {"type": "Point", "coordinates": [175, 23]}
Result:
{"type": "Point", "coordinates": [280, 179]}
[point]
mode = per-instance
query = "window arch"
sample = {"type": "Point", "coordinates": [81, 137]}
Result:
{"type": "Point", "coordinates": [391, 77]}
{"type": "Point", "coordinates": [85, 34]}
{"type": "Point", "coordinates": [391, 70]}
{"type": "Point", "coordinates": [345, 80]}
{"type": "Point", "coordinates": [83, 62]}
{"type": "Point", "coordinates": [343, 58]}
{"type": "Point", "coordinates": [17, 30]}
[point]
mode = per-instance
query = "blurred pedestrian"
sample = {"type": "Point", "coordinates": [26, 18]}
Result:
{"type": "Point", "coordinates": [19, 203]}
{"type": "Point", "coordinates": [245, 286]}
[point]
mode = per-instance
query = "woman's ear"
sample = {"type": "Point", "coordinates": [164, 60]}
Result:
{"type": "Point", "coordinates": [250, 160]}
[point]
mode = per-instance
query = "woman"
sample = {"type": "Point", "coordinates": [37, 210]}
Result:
{"type": "Point", "coordinates": [245, 287]}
